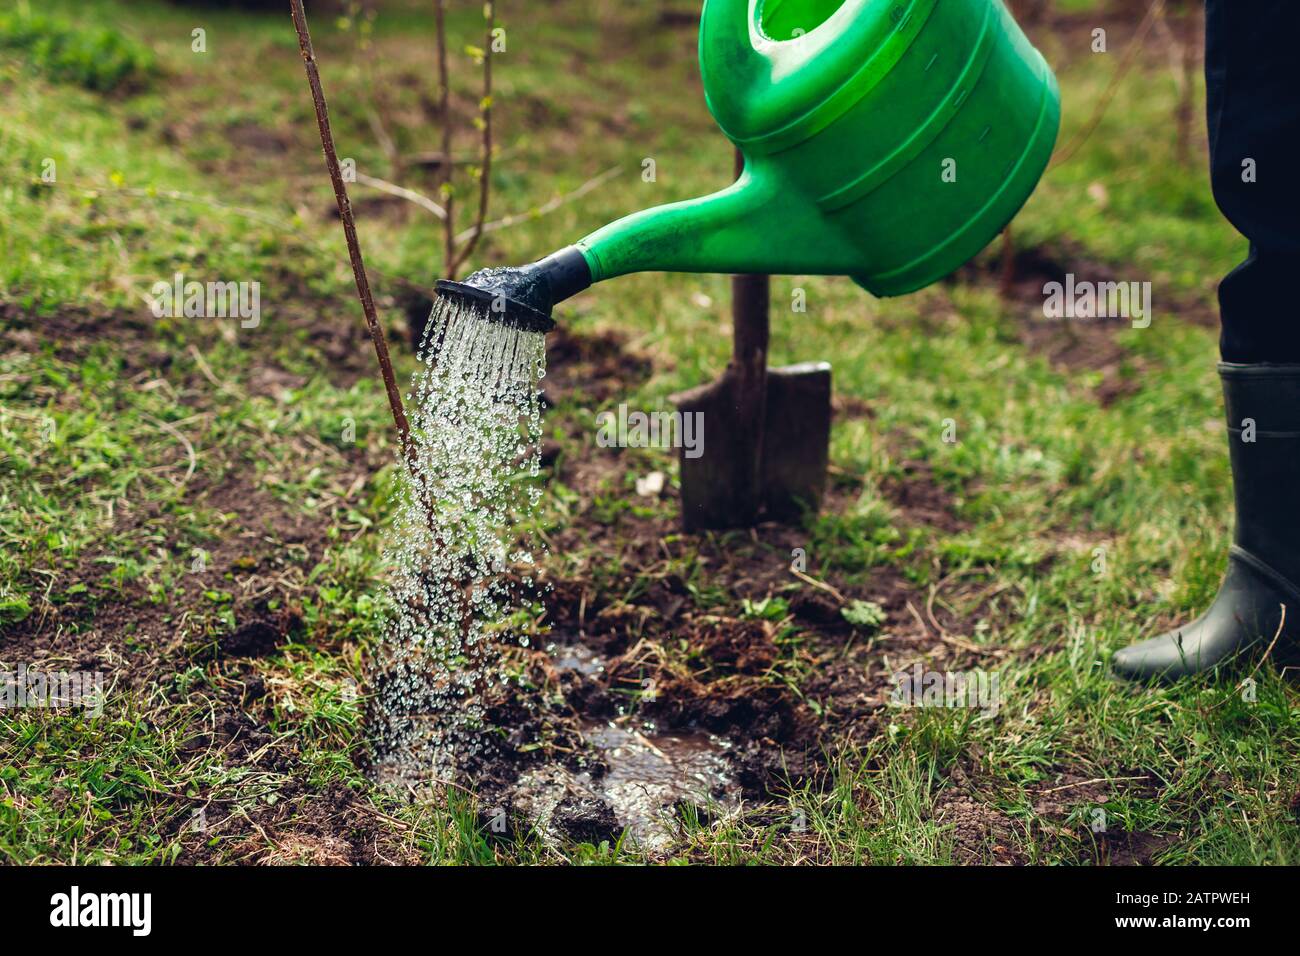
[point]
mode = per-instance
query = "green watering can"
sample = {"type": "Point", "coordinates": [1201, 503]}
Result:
{"type": "Point", "coordinates": [886, 140]}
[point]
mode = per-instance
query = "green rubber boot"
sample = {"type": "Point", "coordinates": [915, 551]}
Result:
{"type": "Point", "coordinates": [1263, 406]}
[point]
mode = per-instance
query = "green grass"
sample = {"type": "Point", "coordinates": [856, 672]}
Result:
{"type": "Point", "coordinates": [216, 172]}
{"type": "Point", "coordinates": [97, 58]}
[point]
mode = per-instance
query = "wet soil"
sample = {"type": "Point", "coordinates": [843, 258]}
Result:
{"type": "Point", "coordinates": [710, 709]}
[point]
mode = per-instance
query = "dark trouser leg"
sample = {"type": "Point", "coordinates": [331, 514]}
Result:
{"type": "Point", "coordinates": [1252, 69]}
{"type": "Point", "coordinates": [1253, 79]}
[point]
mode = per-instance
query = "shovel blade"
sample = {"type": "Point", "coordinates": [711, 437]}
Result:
{"type": "Point", "coordinates": [743, 470]}
{"type": "Point", "coordinates": [719, 477]}
{"type": "Point", "coordinates": [796, 439]}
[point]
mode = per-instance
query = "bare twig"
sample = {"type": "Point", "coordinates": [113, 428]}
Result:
{"type": "Point", "coordinates": [444, 98]}
{"type": "Point", "coordinates": [505, 222]}
{"type": "Point", "coordinates": [376, 101]}
{"type": "Point", "coordinates": [206, 369]}
{"type": "Point", "coordinates": [1067, 152]}
{"type": "Point", "coordinates": [1272, 644]}
{"type": "Point", "coordinates": [410, 195]}
{"type": "Point", "coordinates": [350, 233]}
{"type": "Point", "coordinates": [175, 432]}
{"type": "Point", "coordinates": [1186, 113]}
{"type": "Point", "coordinates": [1174, 49]}
{"type": "Point", "coordinates": [820, 585]}
{"type": "Point", "coordinates": [1088, 783]}
{"type": "Point", "coordinates": [950, 639]}
{"type": "Point", "coordinates": [485, 167]}
{"type": "Point", "coordinates": [384, 139]}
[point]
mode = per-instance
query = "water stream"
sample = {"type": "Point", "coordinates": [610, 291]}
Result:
{"type": "Point", "coordinates": [456, 572]}
{"type": "Point", "coordinates": [475, 423]}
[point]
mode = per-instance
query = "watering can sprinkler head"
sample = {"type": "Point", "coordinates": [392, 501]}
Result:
{"type": "Point", "coordinates": [885, 140]}
{"type": "Point", "coordinates": [521, 297]}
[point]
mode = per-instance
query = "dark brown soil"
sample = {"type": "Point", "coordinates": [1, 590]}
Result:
{"type": "Point", "coordinates": [598, 365]}
{"type": "Point", "coordinates": [339, 346]}
{"type": "Point", "coordinates": [137, 643]}
{"type": "Point", "coordinates": [923, 500]}
{"type": "Point", "coordinates": [1068, 808]}
{"type": "Point", "coordinates": [670, 662]}
{"type": "Point", "coordinates": [124, 621]}
{"type": "Point", "coordinates": [731, 679]}
{"type": "Point", "coordinates": [334, 827]}
{"type": "Point", "coordinates": [977, 831]}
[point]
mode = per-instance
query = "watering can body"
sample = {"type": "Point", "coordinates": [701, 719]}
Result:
{"type": "Point", "coordinates": [887, 140]}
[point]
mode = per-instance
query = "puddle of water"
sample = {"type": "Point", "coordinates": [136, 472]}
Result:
{"type": "Point", "coordinates": [649, 774]}
{"type": "Point", "coordinates": [577, 658]}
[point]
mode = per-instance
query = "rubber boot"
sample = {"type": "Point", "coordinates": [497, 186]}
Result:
{"type": "Point", "coordinates": [1263, 407]}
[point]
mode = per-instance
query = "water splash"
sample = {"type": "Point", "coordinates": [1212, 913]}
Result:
{"type": "Point", "coordinates": [456, 566]}
{"type": "Point", "coordinates": [643, 782]}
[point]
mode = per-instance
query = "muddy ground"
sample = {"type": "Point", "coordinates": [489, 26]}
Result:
{"type": "Point", "coordinates": [641, 708]}
{"type": "Point", "coordinates": [707, 711]}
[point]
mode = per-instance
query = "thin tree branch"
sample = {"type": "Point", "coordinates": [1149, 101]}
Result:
{"type": "Point", "coordinates": [444, 96]}
{"type": "Point", "coordinates": [385, 141]}
{"type": "Point", "coordinates": [505, 222]}
{"type": "Point", "coordinates": [421, 200]}
{"type": "Point", "coordinates": [547, 207]}
{"type": "Point", "coordinates": [485, 167]}
{"type": "Point", "coordinates": [350, 233]}
{"type": "Point", "coordinates": [1067, 151]}
{"type": "Point", "coordinates": [376, 102]}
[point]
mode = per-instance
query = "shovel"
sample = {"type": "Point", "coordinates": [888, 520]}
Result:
{"type": "Point", "coordinates": [764, 433]}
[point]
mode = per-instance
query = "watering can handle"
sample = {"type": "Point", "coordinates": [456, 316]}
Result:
{"type": "Point", "coordinates": [758, 88]}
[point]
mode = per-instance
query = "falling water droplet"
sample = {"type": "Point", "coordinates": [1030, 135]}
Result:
{"type": "Point", "coordinates": [475, 426]}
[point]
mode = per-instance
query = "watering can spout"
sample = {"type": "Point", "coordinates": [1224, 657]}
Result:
{"type": "Point", "coordinates": [885, 140]}
{"type": "Point", "coordinates": [740, 229]}
{"type": "Point", "coordinates": [727, 232]}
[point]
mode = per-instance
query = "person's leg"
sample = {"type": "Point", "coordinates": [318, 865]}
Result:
{"type": "Point", "coordinates": [1252, 70]}
{"type": "Point", "coordinates": [1253, 100]}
